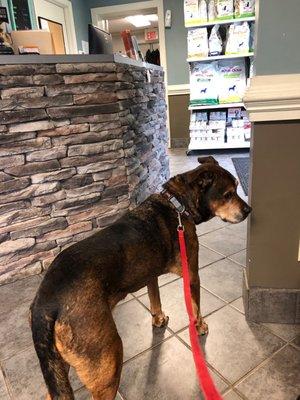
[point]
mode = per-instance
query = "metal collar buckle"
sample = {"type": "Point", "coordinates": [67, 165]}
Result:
{"type": "Point", "coordinates": [180, 208]}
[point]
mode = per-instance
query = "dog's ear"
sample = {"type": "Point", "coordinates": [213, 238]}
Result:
{"type": "Point", "coordinates": [203, 178]}
{"type": "Point", "coordinates": [207, 160]}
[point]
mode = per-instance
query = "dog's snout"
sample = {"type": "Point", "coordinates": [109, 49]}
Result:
{"type": "Point", "coordinates": [247, 209]}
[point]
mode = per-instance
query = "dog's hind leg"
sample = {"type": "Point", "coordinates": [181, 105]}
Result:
{"type": "Point", "coordinates": [67, 367]}
{"type": "Point", "coordinates": [91, 344]}
{"type": "Point", "coordinates": [159, 318]}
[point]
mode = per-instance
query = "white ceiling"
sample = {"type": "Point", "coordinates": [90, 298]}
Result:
{"type": "Point", "coordinates": [120, 24]}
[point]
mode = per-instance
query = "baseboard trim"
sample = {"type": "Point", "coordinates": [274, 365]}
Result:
{"type": "Point", "coordinates": [179, 143]}
{"type": "Point", "coordinates": [177, 90]}
{"type": "Point", "coordinates": [271, 305]}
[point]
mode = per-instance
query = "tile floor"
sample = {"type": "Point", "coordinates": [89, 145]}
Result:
{"type": "Point", "coordinates": [247, 360]}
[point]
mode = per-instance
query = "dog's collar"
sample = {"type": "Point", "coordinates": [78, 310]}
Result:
{"type": "Point", "coordinates": [179, 207]}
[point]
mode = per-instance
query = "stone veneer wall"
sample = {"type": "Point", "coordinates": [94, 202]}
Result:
{"type": "Point", "coordinates": [79, 145]}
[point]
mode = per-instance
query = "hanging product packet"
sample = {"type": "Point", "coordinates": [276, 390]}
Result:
{"type": "Point", "coordinates": [244, 8]}
{"type": "Point", "coordinates": [202, 11]}
{"type": "Point", "coordinates": [197, 42]}
{"type": "Point", "coordinates": [238, 36]}
{"type": "Point", "coordinates": [211, 10]}
{"type": "Point", "coordinates": [203, 83]}
{"type": "Point", "coordinates": [231, 80]}
{"type": "Point", "coordinates": [215, 42]}
{"type": "Point", "coordinates": [224, 9]}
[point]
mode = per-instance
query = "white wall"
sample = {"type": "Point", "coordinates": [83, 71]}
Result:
{"type": "Point", "coordinates": [119, 46]}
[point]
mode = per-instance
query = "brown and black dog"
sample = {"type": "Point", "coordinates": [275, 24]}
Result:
{"type": "Point", "coordinates": [71, 316]}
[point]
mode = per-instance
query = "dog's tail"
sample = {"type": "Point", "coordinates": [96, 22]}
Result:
{"type": "Point", "coordinates": [52, 364]}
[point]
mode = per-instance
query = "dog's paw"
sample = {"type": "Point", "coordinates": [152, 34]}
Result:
{"type": "Point", "coordinates": [160, 320]}
{"type": "Point", "coordinates": [202, 327]}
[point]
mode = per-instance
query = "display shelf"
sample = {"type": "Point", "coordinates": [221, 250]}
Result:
{"type": "Point", "coordinates": [213, 145]}
{"type": "Point", "coordinates": [215, 141]}
{"type": "Point", "coordinates": [215, 106]}
{"type": "Point", "coordinates": [221, 57]}
{"type": "Point", "coordinates": [195, 24]}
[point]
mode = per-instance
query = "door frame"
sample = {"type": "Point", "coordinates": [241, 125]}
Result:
{"type": "Point", "coordinates": [70, 25]}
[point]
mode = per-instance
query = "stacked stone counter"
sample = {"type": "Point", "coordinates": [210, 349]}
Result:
{"type": "Point", "coordinates": [80, 143]}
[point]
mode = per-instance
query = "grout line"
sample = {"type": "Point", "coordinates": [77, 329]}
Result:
{"type": "Point", "coordinates": [124, 302]}
{"type": "Point", "coordinates": [219, 297]}
{"type": "Point", "coordinates": [6, 358]}
{"type": "Point", "coordinates": [294, 345]}
{"type": "Point", "coordinates": [121, 394]}
{"type": "Point", "coordinates": [237, 392]}
{"type": "Point", "coordinates": [224, 255]}
{"type": "Point", "coordinates": [276, 334]}
{"type": "Point", "coordinates": [176, 278]}
{"type": "Point", "coordinates": [213, 230]}
{"type": "Point", "coordinates": [148, 349]}
{"type": "Point", "coordinates": [213, 262]}
{"type": "Point", "coordinates": [208, 364]}
{"type": "Point", "coordinates": [6, 382]}
{"type": "Point", "coordinates": [235, 308]}
{"type": "Point", "coordinates": [258, 366]}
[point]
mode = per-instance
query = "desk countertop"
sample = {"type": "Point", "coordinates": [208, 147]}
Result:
{"type": "Point", "coordinates": [73, 58]}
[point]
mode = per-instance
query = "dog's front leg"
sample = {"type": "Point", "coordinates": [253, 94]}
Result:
{"type": "Point", "coordinates": [159, 318]}
{"type": "Point", "coordinates": [202, 327]}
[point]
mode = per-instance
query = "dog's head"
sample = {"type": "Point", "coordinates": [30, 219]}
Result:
{"type": "Point", "coordinates": [207, 191]}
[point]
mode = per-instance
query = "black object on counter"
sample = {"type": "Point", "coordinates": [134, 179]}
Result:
{"type": "Point", "coordinates": [153, 57]}
{"type": "Point", "coordinates": [4, 49]}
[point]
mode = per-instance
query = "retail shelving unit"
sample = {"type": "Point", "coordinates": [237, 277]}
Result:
{"type": "Point", "coordinates": [197, 143]}
{"type": "Point", "coordinates": [195, 24]}
{"type": "Point", "coordinates": [216, 106]}
{"type": "Point", "coordinates": [222, 57]}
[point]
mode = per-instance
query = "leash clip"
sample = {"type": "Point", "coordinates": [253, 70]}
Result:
{"type": "Point", "coordinates": [180, 227]}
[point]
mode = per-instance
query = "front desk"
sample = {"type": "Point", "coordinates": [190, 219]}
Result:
{"type": "Point", "coordinates": [83, 139]}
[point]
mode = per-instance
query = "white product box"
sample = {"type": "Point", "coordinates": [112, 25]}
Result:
{"type": "Point", "coordinates": [235, 135]}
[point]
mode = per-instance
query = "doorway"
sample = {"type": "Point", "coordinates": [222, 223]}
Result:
{"type": "Point", "coordinates": [115, 17]}
{"type": "Point", "coordinates": [56, 16]}
{"type": "Point", "coordinates": [102, 15]}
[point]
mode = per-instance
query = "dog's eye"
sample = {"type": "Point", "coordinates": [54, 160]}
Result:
{"type": "Point", "coordinates": [228, 195]}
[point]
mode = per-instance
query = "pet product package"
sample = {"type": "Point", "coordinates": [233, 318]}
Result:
{"type": "Point", "coordinates": [217, 120]}
{"type": "Point", "coordinates": [197, 42]}
{"type": "Point", "coordinates": [203, 83]}
{"type": "Point", "coordinates": [211, 10]}
{"type": "Point", "coordinates": [244, 8]}
{"type": "Point", "coordinates": [224, 9]}
{"type": "Point", "coordinates": [215, 42]}
{"type": "Point", "coordinates": [233, 113]}
{"type": "Point", "coordinates": [195, 11]}
{"type": "Point", "coordinates": [198, 121]}
{"type": "Point", "coordinates": [238, 39]}
{"type": "Point", "coordinates": [191, 10]}
{"type": "Point", "coordinates": [231, 80]}
{"type": "Point", "coordinates": [203, 11]}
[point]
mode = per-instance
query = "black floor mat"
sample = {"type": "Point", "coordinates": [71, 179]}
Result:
{"type": "Point", "coordinates": [242, 166]}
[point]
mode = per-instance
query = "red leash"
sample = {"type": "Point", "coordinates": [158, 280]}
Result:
{"type": "Point", "coordinates": [205, 380]}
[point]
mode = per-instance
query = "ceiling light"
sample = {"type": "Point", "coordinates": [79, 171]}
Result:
{"type": "Point", "coordinates": [138, 20]}
{"type": "Point", "coordinates": [152, 17]}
